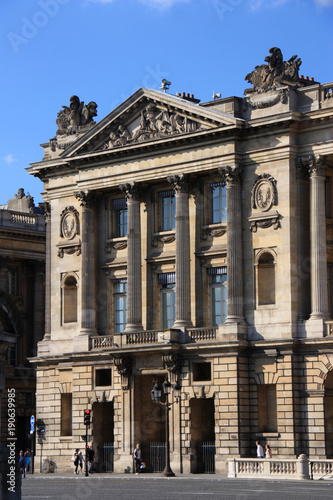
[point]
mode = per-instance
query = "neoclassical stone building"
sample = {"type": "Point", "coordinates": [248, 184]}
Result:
{"type": "Point", "coordinates": [22, 275]}
{"type": "Point", "coordinates": [195, 241]}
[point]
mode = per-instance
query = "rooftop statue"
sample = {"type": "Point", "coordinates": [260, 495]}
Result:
{"type": "Point", "coordinates": [77, 115]}
{"type": "Point", "coordinates": [277, 73]}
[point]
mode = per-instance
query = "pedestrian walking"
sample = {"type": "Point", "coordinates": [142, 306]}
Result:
{"type": "Point", "coordinates": [137, 458]}
{"type": "Point", "coordinates": [260, 450]}
{"type": "Point", "coordinates": [268, 453]}
{"type": "Point", "coordinates": [27, 456]}
{"type": "Point", "coordinates": [76, 460]}
{"type": "Point", "coordinates": [22, 464]}
{"type": "Point", "coordinates": [91, 458]}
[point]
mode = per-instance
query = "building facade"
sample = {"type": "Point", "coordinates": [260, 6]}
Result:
{"type": "Point", "coordinates": [191, 241]}
{"type": "Point", "coordinates": [22, 299]}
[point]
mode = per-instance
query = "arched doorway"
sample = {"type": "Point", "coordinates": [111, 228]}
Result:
{"type": "Point", "coordinates": [329, 414]}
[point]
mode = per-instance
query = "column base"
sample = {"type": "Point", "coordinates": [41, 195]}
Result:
{"type": "Point", "coordinates": [132, 328]}
{"type": "Point", "coordinates": [316, 327]}
{"type": "Point", "coordinates": [232, 331]}
{"type": "Point", "coordinates": [181, 324]}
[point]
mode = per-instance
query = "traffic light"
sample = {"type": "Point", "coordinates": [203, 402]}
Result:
{"type": "Point", "coordinates": [87, 417]}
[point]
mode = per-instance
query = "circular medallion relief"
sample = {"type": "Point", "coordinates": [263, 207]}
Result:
{"type": "Point", "coordinates": [69, 223]}
{"type": "Point", "coordinates": [264, 193]}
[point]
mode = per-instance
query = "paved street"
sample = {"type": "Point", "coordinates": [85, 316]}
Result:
{"type": "Point", "coordinates": [153, 487]}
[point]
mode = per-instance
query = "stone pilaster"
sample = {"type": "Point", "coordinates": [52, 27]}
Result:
{"type": "Point", "coordinates": [46, 207]}
{"type": "Point", "coordinates": [134, 274]}
{"type": "Point", "coordinates": [39, 301]}
{"type": "Point", "coordinates": [183, 284]}
{"type": "Point", "coordinates": [88, 267]}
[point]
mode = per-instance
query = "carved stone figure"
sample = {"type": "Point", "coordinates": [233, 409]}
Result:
{"type": "Point", "coordinates": [277, 73]}
{"type": "Point", "coordinates": [77, 115]}
{"type": "Point", "coordinates": [22, 202]}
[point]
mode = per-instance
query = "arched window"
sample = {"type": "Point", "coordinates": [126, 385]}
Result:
{"type": "Point", "coordinates": [266, 278]}
{"type": "Point", "coordinates": [69, 299]}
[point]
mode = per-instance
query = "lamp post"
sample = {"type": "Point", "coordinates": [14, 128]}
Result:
{"type": "Point", "coordinates": [156, 393]}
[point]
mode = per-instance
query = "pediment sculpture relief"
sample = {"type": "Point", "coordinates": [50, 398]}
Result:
{"type": "Point", "coordinates": [277, 73]}
{"type": "Point", "coordinates": [155, 123]}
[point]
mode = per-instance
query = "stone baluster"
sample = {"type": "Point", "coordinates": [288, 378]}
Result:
{"type": "Point", "coordinates": [319, 292]}
{"type": "Point", "coordinates": [183, 284]}
{"type": "Point", "coordinates": [46, 207]}
{"type": "Point", "coordinates": [134, 274]}
{"type": "Point", "coordinates": [88, 267]}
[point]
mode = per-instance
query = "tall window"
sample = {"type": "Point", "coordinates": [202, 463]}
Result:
{"type": "Point", "coordinates": [267, 409]}
{"type": "Point", "coordinates": [119, 207]}
{"type": "Point", "coordinates": [167, 210]}
{"type": "Point", "coordinates": [218, 202]}
{"type": "Point", "coordinates": [168, 299]}
{"type": "Point", "coordinates": [120, 305]}
{"type": "Point", "coordinates": [266, 279]}
{"type": "Point", "coordinates": [13, 281]}
{"type": "Point", "coordinates": [66, 414]}
{"type": "Point", "coordinates": [69, 299]}
{"type": "Point", "coordinates": [218, 294]}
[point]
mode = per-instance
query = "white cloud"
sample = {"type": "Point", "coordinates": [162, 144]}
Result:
{"type": "Point", "coordinates": [10, 158]}
{"type": "Point", "coordinates": [324, 3]}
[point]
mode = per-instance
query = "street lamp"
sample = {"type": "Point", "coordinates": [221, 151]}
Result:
{"type": "Point", "coordinates": [156, 393]}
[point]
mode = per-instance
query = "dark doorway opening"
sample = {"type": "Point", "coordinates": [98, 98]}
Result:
{"type": "Point", "coordinates": [202, 436]}
{"type": "Point", "coordinates": [103, 435]}
{"type": "Point", "coordinates": [149, 423]}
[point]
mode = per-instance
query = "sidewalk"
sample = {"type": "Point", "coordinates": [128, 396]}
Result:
{"type": "Point", "coordinates": [126, 476]}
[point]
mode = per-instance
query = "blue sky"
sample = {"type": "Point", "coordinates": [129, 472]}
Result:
{"type": "Point", "coordinates": [104, 50]}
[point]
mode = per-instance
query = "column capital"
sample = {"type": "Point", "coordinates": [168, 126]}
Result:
{"type": "Point", "coordinates": [231, 174]}
{"type": "Point", "coordinates": [85, 198]}
{"type": "Point", "coordinates": [132, 191]}
{"type": "Point", "coordinates": [181, 183]}
{"type": "Point", "coordinates": [315, 165]}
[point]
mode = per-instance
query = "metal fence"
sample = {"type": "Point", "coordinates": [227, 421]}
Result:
{"type": "Point", "coordinates": [208, 457]}
{"type": "Point", "coordinates": [106, 457]}
{"type": "Point", "coordinates": [157, 457]}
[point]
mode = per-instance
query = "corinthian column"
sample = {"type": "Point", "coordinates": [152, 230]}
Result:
{"type": "Point", "coordinates": [88, 267]}
{"type": "Point", "coordinates": [134, 275]}
{"type": "Point", "coordinates": [319, 294]}
{"type": "Point", "coordinates": [46, 207]}
{"type": "Point", "coordinates": [232, 177]}
{"type": "Point", "coordinates": [183, 284]}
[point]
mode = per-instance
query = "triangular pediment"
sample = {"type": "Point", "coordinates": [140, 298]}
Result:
{"type": "Point", "coordinates": [146, 116]}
